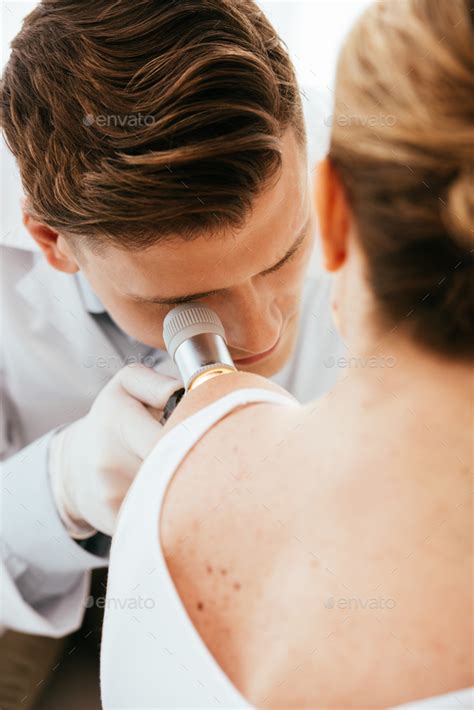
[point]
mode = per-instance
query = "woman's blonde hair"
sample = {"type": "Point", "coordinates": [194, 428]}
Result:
{"type": "Point", "coordinates": [403, 145]}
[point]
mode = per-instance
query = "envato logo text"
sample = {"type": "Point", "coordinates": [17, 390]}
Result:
{"type": "Point", "coordinates": [115, 603]}
{"type": "Point", "coordinates": [375, 120]}
{"type": "Point", "coordinates": [115, 360]}
{"type": "Point", "coordinates": [361, 362]}
{"type": "Point", "coordinates": [132, 120]}
{"type": "Point", "coordinates": [359, 603]}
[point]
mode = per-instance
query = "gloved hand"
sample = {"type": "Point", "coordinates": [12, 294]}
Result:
{"type": "Point", "coordinates": [94, 460]}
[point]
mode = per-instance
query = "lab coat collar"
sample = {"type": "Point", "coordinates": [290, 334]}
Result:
{"type": "Point", "coordinates": [55, 300]}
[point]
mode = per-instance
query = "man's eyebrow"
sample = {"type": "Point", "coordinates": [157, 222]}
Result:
{"type": "Point", "coordinates": [292, 250]}
{"type": "Point", "coordinates": [176, 300]}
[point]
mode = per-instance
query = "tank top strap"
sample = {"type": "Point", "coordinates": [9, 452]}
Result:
{"type": "Point", "coordinates": [154, 656]}
{"type": "Point", "coordinates": [200, 422]}
{"type": "Point", "coordinates": [174, 446]}
{"type": "Point", "coordinates": [159, 467]}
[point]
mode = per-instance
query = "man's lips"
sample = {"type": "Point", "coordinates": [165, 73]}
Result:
{"type": "Point", "coordinates": [255, 358]}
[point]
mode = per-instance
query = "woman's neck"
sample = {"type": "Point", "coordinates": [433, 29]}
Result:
{"type": "Point", "coordinates": [395, 386]}
{"type": "Point", "coordinates": [403, 365]}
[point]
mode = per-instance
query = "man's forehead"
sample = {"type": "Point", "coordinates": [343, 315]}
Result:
{"type": "Point", "coordinates": [207, 269]}
{"type": "Point", "coordinates": [178, 267]}
{"type": "Point", "coordinates": [206, 278]}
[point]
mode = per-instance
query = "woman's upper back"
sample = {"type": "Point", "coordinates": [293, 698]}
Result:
{"type": "Point", "coordinates": [307, 541]}
{"type": "Point", "coordinates": [152, 655]}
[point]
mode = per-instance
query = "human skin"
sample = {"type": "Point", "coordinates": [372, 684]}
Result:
{"type": "Point", "coordinates": [324, 551]}
{"type": "Point", "coordinates": [259, 310]}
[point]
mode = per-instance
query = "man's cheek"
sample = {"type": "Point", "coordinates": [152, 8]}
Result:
{"type": "Point", "coordinates": [152, 328]}
{"type": "Point", "coordinates": [293, 280]}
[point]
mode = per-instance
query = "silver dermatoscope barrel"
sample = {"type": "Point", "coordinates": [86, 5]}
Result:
{"type": "Point", "coordinates": [195, 339]}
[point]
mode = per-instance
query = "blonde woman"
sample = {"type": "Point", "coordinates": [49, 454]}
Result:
{"type": "Point", "coordinates": [320, 556]}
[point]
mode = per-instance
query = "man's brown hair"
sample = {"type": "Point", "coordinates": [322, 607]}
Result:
{"type": "Point", "coordinates": [133, 121]}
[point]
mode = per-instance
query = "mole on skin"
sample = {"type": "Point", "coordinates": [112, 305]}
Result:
{"type": "Point", "coordinates": [209, 570]}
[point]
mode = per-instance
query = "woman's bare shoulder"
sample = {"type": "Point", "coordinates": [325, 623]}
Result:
{"type": "Point", "coordinates": [230, 454]}
{"type": "Point", "coordinates": [220, 517]}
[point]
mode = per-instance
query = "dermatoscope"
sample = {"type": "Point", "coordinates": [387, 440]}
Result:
{"type": "Point", "coordinates": [195, 340]}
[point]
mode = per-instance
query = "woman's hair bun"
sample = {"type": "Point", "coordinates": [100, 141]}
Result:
{"type": "Point", "coordinates": [459, 208]}
{"type": "Point", "coordinates": [403, 146]}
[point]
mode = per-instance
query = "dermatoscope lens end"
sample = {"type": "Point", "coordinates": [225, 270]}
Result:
{"type": "Point", "coordinates": [187, 320]}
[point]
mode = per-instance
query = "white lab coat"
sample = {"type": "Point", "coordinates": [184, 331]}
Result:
{"type": "Point", "coordinates": [55, 360]}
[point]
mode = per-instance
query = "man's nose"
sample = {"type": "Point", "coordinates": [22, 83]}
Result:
{"type": "Point", "coordinates": [252, 321]}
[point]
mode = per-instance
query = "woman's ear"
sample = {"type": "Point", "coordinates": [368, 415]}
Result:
{"type": "Point", "coordinates": [333, 214]}
{"type": "Point", "coordinates": [55, 248]}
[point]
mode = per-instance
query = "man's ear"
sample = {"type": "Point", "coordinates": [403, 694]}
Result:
{"type": "Point", "coordinates": [333, 213]}
{"type": "Point", "coordinates": [55, 248]}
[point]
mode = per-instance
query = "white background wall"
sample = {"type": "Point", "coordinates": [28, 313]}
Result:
{"type": "Point", "coordinates": [313, 31]}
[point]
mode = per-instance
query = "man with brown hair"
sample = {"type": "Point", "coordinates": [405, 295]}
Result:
{"type": "Point", "coordinates": [162, 153]}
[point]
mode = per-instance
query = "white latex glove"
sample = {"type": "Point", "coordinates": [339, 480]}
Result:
{"type": "Point", "coordinates": [94, 460]}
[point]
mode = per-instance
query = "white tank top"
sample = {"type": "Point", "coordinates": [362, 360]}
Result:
{"type": "Point", "coordinates": [152, 655]}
